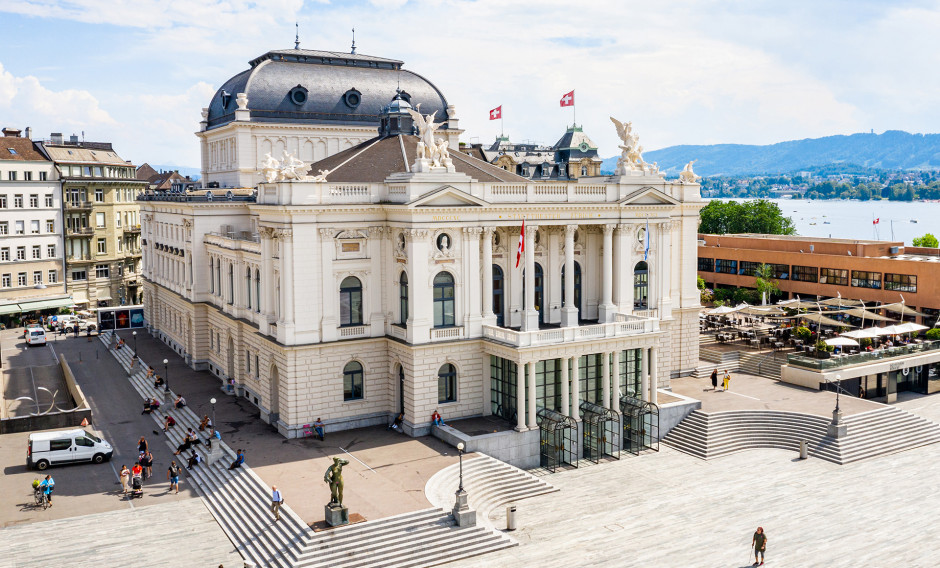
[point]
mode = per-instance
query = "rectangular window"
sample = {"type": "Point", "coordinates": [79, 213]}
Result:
{"type": "Point", "coordinates": [99, 195]}
{"type": "Point", "coordinates": [43, 176]}
{"type": "Point", "coordinates": [102, 271]}
{"type": "Point", "coordinates": [86, 171]}
{"type": "Point", "coordinates": [117, 219]}
{"type": "Point", "coordinates": [98, 171]}
{"type": "Point", "coordinates": [3, 201]}
{"type": "Point", "coordinates": [53, 276]}
{"type": "Point", "coordinates": [748, 268]}
{"type": "Point", "coordinates": [34, 227]}
{"type": "Point", "coordinates": [28, 176]}
{"type": "Point", "coordinates": [706, 264]}
{"type": "Point", "coordinates": [726, 266]}
{"type": "Point", "coordinates": [781, 271]}
{"type": "Point", "coordinates": [99, 220]}
{"type": "Point", "coordinates": [37, 251]}
{"type": "Point", "coordinates": [900, 282]}
{"type": "Point", "coordinates": [34, 201]}
{"type": "Point", "coordinates": [18, 201]}
{"type": "Point", "coordinates": [11, 175]}
{"type": "Point", "coordinates": [591, 370]}
{"type": "Point", "coordinates": [79, 274]}
{"type": "Point", "coordinates": [630, 372]}
{"type": "Point", "coordinates": [502, 387]}
{"type": "Point", "coordinates": [835, 276]}
{"type": "Point", "coordinates": [865, 279]}
{"type": "Point", "coordinates": [50, 226]}
{"type": "Point", "coordinates": [4, 228]}
{"type": "Point", "coordinates": [20, 228]}
{"type": "Point", "coordinates": [21, 279]}
{"type": "Point", "coordinates": [20, 253]}
{"type": "Point", "coordinates": [49, 201]}
{"type": "Point", "coordinates": [120, 245]}
{"type": "Point", "coordinates": [805, 273]}
{"type": "Point", "coordinates": [6, 280]}
{"type": "Point", "coordinates": [102, 246]}
{"type": "Point", "coordinates": [50, 251]}
{"type": "Point", "coordinates": [37, 277]}
{"type": "Point", "coordinates": [5, 254]}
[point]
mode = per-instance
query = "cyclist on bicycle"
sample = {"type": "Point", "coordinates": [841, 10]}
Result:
{"type": "Point", "coordinates": [47, 486]}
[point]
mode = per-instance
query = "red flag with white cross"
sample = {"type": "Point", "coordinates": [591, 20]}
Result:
{"type": "Point", "coordinates": [568, 99]}
{"type": "Point", "coordinates": [496, 113]}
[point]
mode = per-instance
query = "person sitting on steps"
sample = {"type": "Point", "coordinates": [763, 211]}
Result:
{"type": "Point", "coordinates": [180, 401]}
{"type": "Point", "coordinates": [168, 423]}
{"type": "Point", "coordinates": [436, 419]}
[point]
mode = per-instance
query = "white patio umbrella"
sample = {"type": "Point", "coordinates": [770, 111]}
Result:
{"type": "Point", "coordinates": [841, 341]}
{"type": "Point", "coordinates": [721, 310]}
{"type": "Point", "coordinates": [820, 319]}
{"type": "Point", "coordinates": [861, 333]}
{"type": "Point", "coordinates": [841, 302]}
{"type": "Point", "coordinates": [761, 310]}
{"type": "Point", "coordinates": [866, 315]}
{"type": "Point", "coordinates": [900, 308]}
{"type": "Point", "coordinates": [909, 327]}
{"type": "Point", "coordinates": [887, 330]}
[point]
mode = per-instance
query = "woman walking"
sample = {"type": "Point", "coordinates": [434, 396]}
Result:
{"type": "Point", "coordinates": [715, 379]}
{"type": "Point", "coordinates": [125, 478]}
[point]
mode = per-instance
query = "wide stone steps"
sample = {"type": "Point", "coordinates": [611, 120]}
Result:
{"type": "Point", "coordinates": [238, 499]}
{"type": "Point", "coordinates": [878, 432]}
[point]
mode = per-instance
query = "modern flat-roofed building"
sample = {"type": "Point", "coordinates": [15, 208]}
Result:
{"type": "Point", "coordinates": [872, 271]}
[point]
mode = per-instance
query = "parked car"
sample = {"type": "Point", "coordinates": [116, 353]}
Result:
{"type": "Point", "coordinates": [35, 336]}
{"type": "Point", "coordinates": [82, 325]}
{"type": "Point", "coordinates": [62, 321]}
{"type": "Point", "coordinates": [66, 446]}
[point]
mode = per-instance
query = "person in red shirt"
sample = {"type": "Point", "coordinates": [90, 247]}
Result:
{"type": "Point", "coordinates": [137, 471]}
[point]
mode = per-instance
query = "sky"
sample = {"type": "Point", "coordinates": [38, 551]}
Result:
{"type": "Point", "coordinates": [137, 72]}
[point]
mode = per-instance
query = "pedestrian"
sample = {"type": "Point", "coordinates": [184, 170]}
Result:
{"type": "Point", "coordinates": [205, 423]}
{"type": "Point", "coordinates": [194, 460]}
{"type": "Point", "coordinates": [436, 418]}
{"type": "Point", "coordinates": [239, 460]}
{"type": "Point", "coordinates": [173, 474]}
{"type": "Point", "coordinates": [187, 442]}
{"type": "Point", "coordinates": [142, 447]}
{"type": "Point", "coordinates": [726, 383]}
{"type": "Point", "coordinates": [715, 379]}
{"type": "Point", "coordinates": [759, 542]}
{"type": "Point", "coordinates": [168, 423]}
{"type": "Point", "coordinates": [276, 501]}
{"type": "Point", "coordinates": [318, 426]}
{"type": "Point", "coordinates": [146, 462]}
{"type": "Point", "coordinates": [47, 486]}
{"type": "Point", "coordinates": [137, 471]}
{"type": "Point", "coordinates": [180, 401]}
{"type": "Point", "coordinates": [215, 435]}
{"type": "Point", "coordinates": [125, 478]}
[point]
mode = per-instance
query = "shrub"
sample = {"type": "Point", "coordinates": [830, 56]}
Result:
{"type": "Point", "coordinates": [933, 334]}
{"type": "Point", "coordinates": [865, 342]}
{"type": "Point", "coordinates": [804, 334]}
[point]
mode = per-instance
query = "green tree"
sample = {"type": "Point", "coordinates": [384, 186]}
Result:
{"type": "Point", "coordinates": [933, 334]}
{"type": "Point", "coordinates": [927, 240]}
{"type": "Point", "coordinates": [756, 216]}
{"type": "Point", "coordinates": [765, 283]}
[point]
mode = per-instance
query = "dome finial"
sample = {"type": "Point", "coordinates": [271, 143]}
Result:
{"type": "Point", "coordinates": [353, 50]}
{"type": "Point", "coordinates": [296, 35]}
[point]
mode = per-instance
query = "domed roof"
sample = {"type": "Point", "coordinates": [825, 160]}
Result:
{"type": "Point", "coordinates": [322, 87]}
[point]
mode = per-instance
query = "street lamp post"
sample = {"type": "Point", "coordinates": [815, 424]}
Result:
{"type": "Point", "coordinates": [134, 333]}
{"type": "Point", "coordinates": [212, 402]}
{"type": "Point", "coordinates": [460, 447]}
{"type": "Point", "coordinates": [837, 428]}
{"type": "Point", "coordinates": [463, 515]}
{"type": "Point", "coordinates": [166, 380]}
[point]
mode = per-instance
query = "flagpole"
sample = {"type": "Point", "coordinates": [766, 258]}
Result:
{"type": "Point", "coordinates": [502, 131]}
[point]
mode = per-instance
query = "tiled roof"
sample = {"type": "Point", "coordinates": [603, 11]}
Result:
{"type": "Point", "coordinates": [80, 155]}
{"type": "Point", "coordinates": [23, 150]}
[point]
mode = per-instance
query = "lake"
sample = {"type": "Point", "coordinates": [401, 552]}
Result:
{"type": "Point", "coordinates": [841, 219]}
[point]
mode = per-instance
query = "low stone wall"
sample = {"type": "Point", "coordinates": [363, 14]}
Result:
{"type": "Point", "coordinates": [520, 449]}
{"type": "Point", "coordinates": [673, 413]}
{"type": "Point", "coordinates": [69, 418]}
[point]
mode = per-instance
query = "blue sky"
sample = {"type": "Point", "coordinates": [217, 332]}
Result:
{"type": "Point", "coordinates": [137, 72]}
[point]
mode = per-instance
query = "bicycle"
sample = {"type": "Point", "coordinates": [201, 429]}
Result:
{"type": "Point", "coordinates": [40, 497]}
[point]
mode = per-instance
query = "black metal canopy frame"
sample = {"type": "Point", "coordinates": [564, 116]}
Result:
{"type": "Point", "coordinates": [557, 439]}
{"type": "Point", "coordinates": [601, 432]}
{"type": "Point", "coordinates": [640, 424]}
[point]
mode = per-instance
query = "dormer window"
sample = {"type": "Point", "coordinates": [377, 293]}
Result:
{"type": "Point", "coordinates": [226, 98]}
{"type": "Point", "coordinates": [12, 151]}
{"type": "Point", "coordinates": [298, 95]}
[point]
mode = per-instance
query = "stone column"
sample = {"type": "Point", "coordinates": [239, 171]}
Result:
{"type": "Point", "coordinates": [575, 388]}
{"type": "Point", "coordinates": [420, 306]}
{"type": "Point", "coordinates": [267, 278]}
{"type": "Point", "coordinates": [565, 393]}
{"type": "Point", "coordinates": [520, 397]}
{"type": "Point", "coordinates": [626, 270]}
{"type": "Point", "coordinates": [471, 263]}
{"type": "Point", "coordinates": [605, 380]}
{"type": "Point", "coordinates": [615, 373]}
{"type": "Point", "coordinates": [605, 312]}
{"type": "Point", "coordinates": [530, 320]}
{"type": "Point", "coordinates": [531, 422]}
{"type": "Point", "coordinates": [286, 237]}
{"type": "Point", "coordinates": [644, 374]}
{"type": "Point", "coordinates": [654, 375]}
{"type": "Point", "coordinates": [489, 318]}
{"type": "Point", "coordinates": [330, 289]}
{"type": "Point", "coordinates": [617, 253]}
{"type": "Point", "coordinates": [569, 313]}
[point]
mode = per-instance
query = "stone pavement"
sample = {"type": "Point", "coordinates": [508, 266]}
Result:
{"type": "Point", "coordinates": [753, 392]}
{"type": "Point", "coordinates": [386, 475]}
{"type": "Point", "coordinates": [670, 509]}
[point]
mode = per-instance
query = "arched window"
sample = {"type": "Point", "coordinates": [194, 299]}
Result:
{"type": "Point", "coordinates": [498, 294]}
{"type": "Point", "coordinates": [352, 381]}
{"type": "Point", "coordinates": [350, 301]}
{"type": "Point", "coordinates": [218, 277]}
{"type": "Point", "coordinates": [403, 298]}
{"type": "Point", "coordinates": [248, 287]}
{"type": "Point", "coordinates": [577, 285]}
{"type": "Point", "coordinates": [641, 285]}
{"type": "Point", "coordinates": [258, 291]}
{"type": "Point", "coordinates": [444, 300]}
{"type": "Point", "coordinates": [583, 170]}
{"type": "Point", "coordinates": [447, 383]}
{"type": "Point", "coordinates": [211, 277]}
{"type": "Point", "coordinates": [231, 284]}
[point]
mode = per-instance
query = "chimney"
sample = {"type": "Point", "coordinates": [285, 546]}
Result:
{"type": "Point", "coordinates": [56, 137]}
{"type": "Point", "coordinates": [29, 133]}
{"type": "Point", "coordinates": [11, 132]}
{"type": "Point", "coordinates": [73, 139]}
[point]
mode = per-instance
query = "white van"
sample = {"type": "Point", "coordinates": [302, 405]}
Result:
{"type": "Point", "coordinates": [35, 336]}
{"type": "Point", "coordinates": [66, 446]}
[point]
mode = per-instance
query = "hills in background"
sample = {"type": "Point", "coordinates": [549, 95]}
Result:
{"type": "Point", "coordinates": [194, 173]}
{"type": "Point", "coordinates": [893, 149]}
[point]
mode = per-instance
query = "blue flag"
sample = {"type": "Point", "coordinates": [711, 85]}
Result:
{"type": "Point", "coordinates": [646, 250]}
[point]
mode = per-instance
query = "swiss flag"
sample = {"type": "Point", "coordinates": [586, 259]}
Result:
{"type": "Point", "coordinates": [521, 248]}
{"type": "Point", "coordinates": [496, 113]}
{"type": "Point", "coordinates": [568, 99]}
{"type": "Point", "coordinates": [876, 221]}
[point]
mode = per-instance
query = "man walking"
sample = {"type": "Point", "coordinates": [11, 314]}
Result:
{"type": "Point", "coordinates": [715, 379]}
{"type": "Point", "coordinates": [759, 542]}
{"type": "Point", "coordinates": [173, 474]}
{"type": "Point", "coordinates": [276, 501]}
{"type": "Point", "coordinates": [726, 383]}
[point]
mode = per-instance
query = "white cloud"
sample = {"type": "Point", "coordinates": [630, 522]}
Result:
{"type": "Point", "coordinates": [26, 99]}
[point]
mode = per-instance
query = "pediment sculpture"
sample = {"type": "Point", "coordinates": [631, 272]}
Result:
{"type": "Point", "coordinates": [432, 152]}
{"type": "Point", "coordinates": [687, 175]}
{"type": "Point", "coordinates": [289, 168]}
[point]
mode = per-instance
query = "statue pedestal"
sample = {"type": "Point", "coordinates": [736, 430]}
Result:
{"type": "Point", "coordinates": [215, 453]}
{"type": "Point", "coordinates": [421, 165]}
{"type": "Point", "coordinates": [837, 428]}
{"type": "Point", "coordinates": [463, 515]}
{"type": "Point", "coordinates": [336, 515]}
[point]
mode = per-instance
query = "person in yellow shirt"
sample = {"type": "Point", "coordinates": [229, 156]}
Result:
{"type": "Point", "coordinates": [726, 382]}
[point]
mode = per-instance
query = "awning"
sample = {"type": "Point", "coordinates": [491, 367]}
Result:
{"type": "Point", "coordinates": [103, 298]}
{"type": "Point", "coordinates": [45, 304]}
{"type": "Point", "coordinates": [9, 309]}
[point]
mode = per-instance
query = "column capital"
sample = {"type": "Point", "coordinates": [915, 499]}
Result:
{"type": "Point", "coordinates": [268, 232]}
{"type": "Point", "coordinates": [489, 231]}
{"type": "Point", "coordinates": [570, 230]}
{"type": "Point", "coordinates": [284, 234]}
{"type": "Point", "coordinates": [609, 229]}
{"type": "Point", "coordinates": [530, 230]}
{"type": "Point", "coordinates": [326, 233]}
{"type": "Point", "coordinates": [473, 231]}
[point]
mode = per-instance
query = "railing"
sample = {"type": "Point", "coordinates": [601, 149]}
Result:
{"type": "Point", "coordinates": [132, 229]}
{"type": "Point", "coordinates": [446, 333]}
{"type": "Point", "coordinates": [398, 332]}
{"type": "Point", "coordinates": [77, 205]}
{"type": "Point", "coordinates": [861, 358]}
{"type": "Point", "coordinates": [631, 325]}
{"type": "Point", "coordinates": [79, 231]}
{"type": "Point", "coordinates": [353, 331]}
{"type": "Point", "coordinates": [649, 313]}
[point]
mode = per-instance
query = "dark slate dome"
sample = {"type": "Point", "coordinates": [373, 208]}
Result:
{"type": "Point", "coordinates": [322, 87]}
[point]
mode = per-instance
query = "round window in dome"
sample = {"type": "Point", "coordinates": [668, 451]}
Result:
{"type": "Point", "coordinates": [352, 98]}
{"type": "Point", "coordinates": [298, 95]}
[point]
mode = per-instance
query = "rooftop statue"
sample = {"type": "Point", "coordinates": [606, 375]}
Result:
{"type": "Point", "coordinates": [687, 175]}
{"type": "Point", "coordinates": [631, 155]}
{"type": "Point", "coordinates": [270, 168]}
{"type": "Point", "coordinates": [428, 148]}
{"type": "Point", "coordinates": [292, 168]}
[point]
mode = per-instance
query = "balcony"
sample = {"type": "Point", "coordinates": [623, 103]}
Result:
{"type": "Point", "coordinates": [876, 356]}
{"type": "Point", "coordinates": [79, 231]}
{"type": "Point", "coordinates": [76, 205]}
{"type": "Point", "coordinates": [447, 334]}
{"type": "Point", "coordinates": [353, 331]}
{"type": "Point", "coordinates": [132, 229]}
{"type": "Point", "coordinates": [78, 259]}
{"type": "Point", "coordinates": [630, 325]}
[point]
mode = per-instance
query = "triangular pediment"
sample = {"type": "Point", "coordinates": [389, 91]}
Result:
{"type": "Point", "coordinates": [648, 196]}
{"type": "Point", "coordinates": [447, 196]}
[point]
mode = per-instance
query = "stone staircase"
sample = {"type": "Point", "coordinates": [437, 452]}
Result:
{"type": "Point", "coordinates": [240, 503]}
{"type": "Point", "coordinates": [715, 359]}
{"type": "Point", "coordinates": [878, 432]}
{"type": "Point", "coordinates": [766, 364]}
{"type": "Point", "coordinates": [489, 483]}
